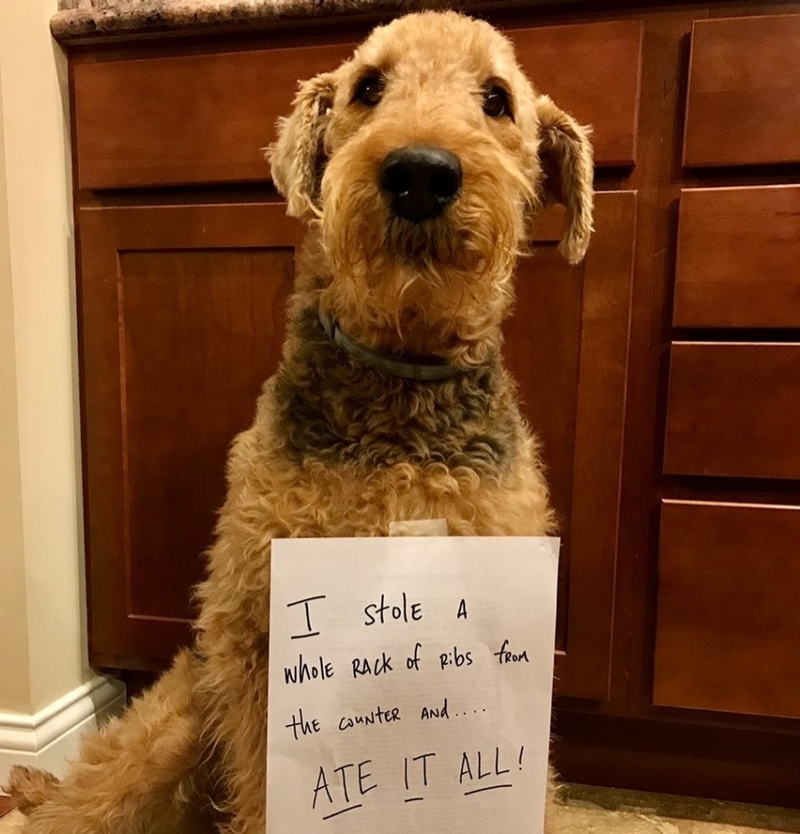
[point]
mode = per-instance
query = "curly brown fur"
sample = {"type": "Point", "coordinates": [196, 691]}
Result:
{"type": "Point", "coordinates": [337, 447]}
{"type": "Point", "coordinates": [334, 412]}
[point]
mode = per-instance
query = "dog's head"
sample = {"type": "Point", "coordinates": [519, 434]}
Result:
{"type": "Point", "coordinates": [423, 161]}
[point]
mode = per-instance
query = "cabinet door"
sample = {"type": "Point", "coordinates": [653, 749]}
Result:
{"type": "Point", "coordinates": [567, 345]}
{"type": "Point", "coordinates": [181, 322]}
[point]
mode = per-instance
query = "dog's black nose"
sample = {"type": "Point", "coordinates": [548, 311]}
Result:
{"type": "Point", "coordinates": [420, 181]}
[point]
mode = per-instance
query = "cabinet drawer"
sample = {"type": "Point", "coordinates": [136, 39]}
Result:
{"type": "Point", "coordinates": [727, 625]}
{"type": "Point", "coordinates": [592, 71]}
{"type": "Point", "coordinates": [738, 257]}
{"type": "Point", "coordinates": [743, 102]}
{"type": "Point", "coordinates": [734, 409]}
{"type": "Point", "coordinates": [206, 118]}
{"type": "Point", "coordinates": [187, 119]}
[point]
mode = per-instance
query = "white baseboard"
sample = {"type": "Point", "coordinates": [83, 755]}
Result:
{"type": "Point", "coordinates": [51, 737]}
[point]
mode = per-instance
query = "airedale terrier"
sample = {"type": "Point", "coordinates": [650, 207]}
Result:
{"type": "Point", "coordinates": [419, 166]}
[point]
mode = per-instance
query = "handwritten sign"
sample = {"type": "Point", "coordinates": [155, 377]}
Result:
{"type": "Point", "coordinates": [410, 684]}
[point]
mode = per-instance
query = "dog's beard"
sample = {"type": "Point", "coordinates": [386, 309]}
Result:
{"type": "Point", "coordinates": [442, 286]}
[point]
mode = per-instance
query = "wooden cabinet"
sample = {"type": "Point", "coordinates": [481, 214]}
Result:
{"type": "Point", "coordinates": [662, 373]}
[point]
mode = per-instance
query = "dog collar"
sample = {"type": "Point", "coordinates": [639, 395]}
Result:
{"type": "Point", "coordinates": [422, 370]}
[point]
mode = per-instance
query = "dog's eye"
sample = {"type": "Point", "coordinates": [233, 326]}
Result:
{"type": "Point", "coordinates": [369, 90]}
{"type": "Point", "coordinates": [495, 102]}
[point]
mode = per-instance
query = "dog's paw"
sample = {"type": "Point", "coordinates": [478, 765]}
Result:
{"type": "Point", "coordinates": [30, 787]}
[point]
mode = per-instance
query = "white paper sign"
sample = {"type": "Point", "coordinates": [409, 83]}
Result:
{"type": "Point", "coordinates": [410, 684]}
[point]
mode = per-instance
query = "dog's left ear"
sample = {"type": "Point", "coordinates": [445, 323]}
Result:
{"type": "Point", "coordinates": [566, 154]}
{"type": "Point", "coordinates": [298, 157]}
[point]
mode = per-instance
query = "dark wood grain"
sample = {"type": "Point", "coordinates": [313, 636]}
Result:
{"type": "Point", "coordinates": [738, 262]}
{"type": "Point", "coordinates": [182, 321]}
{"type": "Point", "coordinates": [201, 330]}
{"type": "Point", "coordinates": [662, 87]}
{"type": "Point", "coordinates": [734, 410]}
{"type": "Point", "coordinates": [728, 630]}
{"type": "Point", "coordinates": [600, 424]}
{"type": "Point", "coordinates": [577, 66]}
{"type": "Point", "coordinates": [743, 105]}
{"type": "Point", "coordinates": [187, 119]}
{"type": "Point", "coordinates": [567, 345]}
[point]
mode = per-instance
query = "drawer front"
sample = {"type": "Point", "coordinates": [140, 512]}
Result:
{"type": "Point", "coordinates": [743, 102]}
{"type": "Point", "coordinates": [188, 119]}
{"type": "Point", "coordinates": [738, 262]}
{"type": "Point", "coordinates": [728, 628]}
{"type": "Point", "coordinates": [592, 71]}
{"type": "Point", "coordinates": [206, 118]}
{"type": "Point", "coordinates": [734, 409]}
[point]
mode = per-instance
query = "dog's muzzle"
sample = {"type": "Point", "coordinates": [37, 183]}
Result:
{"type": "Point", "coordinates": [420, 181]}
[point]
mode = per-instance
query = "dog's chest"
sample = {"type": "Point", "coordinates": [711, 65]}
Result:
{"type": "Point", "coordinates": [352, 452]}
{"type": "Point", "coordinates": [341, 499]}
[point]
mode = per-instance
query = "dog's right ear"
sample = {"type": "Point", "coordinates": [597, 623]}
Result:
{"type": "Point", "coordinates": [298, 158]}
{"type": "Point", "coordinates": [566, 153]}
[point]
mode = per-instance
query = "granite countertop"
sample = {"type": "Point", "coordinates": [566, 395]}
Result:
{"type": "Point", "coordinates": [86, 20]}
{"type": "Point", "coordinates": [83, 19]}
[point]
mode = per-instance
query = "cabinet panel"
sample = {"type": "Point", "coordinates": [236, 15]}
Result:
{"type": "Point", "coordinates": [727, 629]}
{"type": "Point", "coordinates": [738, 256]}
{"type": "Point", "coordinates": [182, 321]}
{"type": "Point", "coordinates": [200, 330]}
{"type": "Point", "coordinates": [592, 71]}
{"type": "Point", "coordinates": [567, 345]}
{"type": "Point", "coordinates": [189, 118]}
{"type": "Point", "coordinates": [734, 409]}
{"type": "Point", "coordinates": [743, 102]}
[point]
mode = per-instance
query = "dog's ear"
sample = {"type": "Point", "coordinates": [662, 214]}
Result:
{"type": "Point", "coordinates": [566, 155]}
{"type": "Point", "coordinates": [297, 158]}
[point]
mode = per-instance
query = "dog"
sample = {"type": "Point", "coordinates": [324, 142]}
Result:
{"type": "Point", "coordinates": [419, 166]}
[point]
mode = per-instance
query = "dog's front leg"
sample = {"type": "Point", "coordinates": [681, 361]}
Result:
{"type": "Point", "coordinates": [135, 775]}
{"type": "Point", "coordinates": [236, 683]}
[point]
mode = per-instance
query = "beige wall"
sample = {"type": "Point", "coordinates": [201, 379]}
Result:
{"type": "Point", "coordinates": [41, 601]}
{"type": "Point", "coordinates": [14, 683]}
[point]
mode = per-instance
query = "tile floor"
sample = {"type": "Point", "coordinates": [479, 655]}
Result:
{"type": "Point", "coordinates": [603, 811]}
{"type": "Point", "coordinates": [588, 810]}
